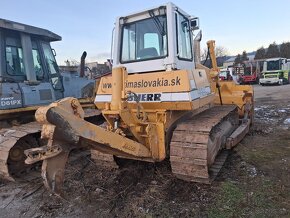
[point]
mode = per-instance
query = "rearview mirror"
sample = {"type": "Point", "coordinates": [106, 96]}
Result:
{"type": "Point", "coordinates": [194, 23]}
{"type": "Point", "coordinates": [53, 52]}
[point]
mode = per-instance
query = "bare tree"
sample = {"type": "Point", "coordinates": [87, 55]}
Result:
{"type": "Point", "coordinates": [72, 62]}
{"type": "Point", "coordinates": [221, 51]}
{"type": "Point", "coordinates": [203, 54]}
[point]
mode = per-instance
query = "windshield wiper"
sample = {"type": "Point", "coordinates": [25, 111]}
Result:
{"type": "Point", "coordinates": [157, 23]}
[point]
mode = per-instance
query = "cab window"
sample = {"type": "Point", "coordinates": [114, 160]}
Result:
{"type": "Point", "coordinates": [38, 69]}
{"type": "Point", "coordinates": [52, 67]}
{"type": "Point", "coordinates": [184, 47]}
{"type": "Point", "coordinates": [144, 39]}
{"type": "Point", "coordinates": [14, 56]}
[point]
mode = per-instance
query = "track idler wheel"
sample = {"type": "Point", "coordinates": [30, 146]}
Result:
{"type": "Point", "coordinates": [16, 158]}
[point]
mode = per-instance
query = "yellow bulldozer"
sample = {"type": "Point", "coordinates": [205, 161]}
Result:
{"type": "Point", "coordinates": [160, 102]}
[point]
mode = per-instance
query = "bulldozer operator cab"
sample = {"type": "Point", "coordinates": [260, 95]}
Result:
{"type": "Point", "coordinates": [155, 40]}
{"type": "Point", "coordinates": [27, 55]}
{"type": "Point", "coordinates": [29, 74]}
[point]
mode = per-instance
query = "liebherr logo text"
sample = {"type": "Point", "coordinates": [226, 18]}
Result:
{"type": "Point", "coordinates": [145, 97]}
{"type": "Point", "coordinates": [148, 83]}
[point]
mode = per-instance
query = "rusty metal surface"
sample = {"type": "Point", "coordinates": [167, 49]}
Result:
{"type": "Point", "coordinates": [238, 134]}
{"type": "Point", "coordinates": [64, 126]}
{"type": "Point", "coordinates": [41, 153]}
{"type": "Point", "coordinates": [194, 147]}
{"type": "Point", "coordinates": [53, 170]}
{"type": "Point", "coordinates": [195, 144]}
{"type": "Point", "coordinates": [13, 141]}
{"type": "Point", "coordinates": [72, 128]}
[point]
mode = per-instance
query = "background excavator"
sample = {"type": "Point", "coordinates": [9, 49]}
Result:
{"type": "Point", "coordinates": [29, 78]}
{"type": "Point", "coordinates": [159, 103]}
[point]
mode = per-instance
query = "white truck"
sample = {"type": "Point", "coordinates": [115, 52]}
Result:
{"type": "Point", "coordinates": [275, 71]}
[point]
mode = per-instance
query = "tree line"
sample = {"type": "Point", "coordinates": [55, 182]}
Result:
{"type": "Point", "coordinates": [241, 58]}
{"type": "Point", "coordinates": [274, 51]}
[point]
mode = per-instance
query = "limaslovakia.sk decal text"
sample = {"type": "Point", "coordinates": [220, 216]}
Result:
{"type": "Point", "coordinates": [159, 82]}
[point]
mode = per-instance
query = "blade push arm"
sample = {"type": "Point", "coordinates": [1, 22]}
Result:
{"type": "Point", "coordinates": [65, 128]}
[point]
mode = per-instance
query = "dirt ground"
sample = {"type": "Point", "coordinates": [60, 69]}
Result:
{"type": "Point", "coordinates": [254, 182]}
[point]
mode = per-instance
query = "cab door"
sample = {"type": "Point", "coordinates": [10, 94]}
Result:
{"type": "Point", "coordinates": [53, 70]}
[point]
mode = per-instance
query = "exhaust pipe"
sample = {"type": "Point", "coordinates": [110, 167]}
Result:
{"type": "Point", "coordinates": [196, 45]}
{"type": "Point", "coordinates": [82, 66]}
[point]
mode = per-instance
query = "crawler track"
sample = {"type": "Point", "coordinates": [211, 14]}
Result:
{"type": "Point", "coordinates": [196, 144]}
{"type": "Point", "coordinates": [13, 142]}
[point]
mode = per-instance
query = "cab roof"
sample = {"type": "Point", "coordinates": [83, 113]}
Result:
{"type": "Point", "coordinates": [43, 33]}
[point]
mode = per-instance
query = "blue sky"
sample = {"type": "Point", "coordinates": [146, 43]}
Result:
{"type": "Point", "coordinates": [87, 25]}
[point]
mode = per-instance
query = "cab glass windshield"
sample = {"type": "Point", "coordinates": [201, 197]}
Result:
{"type": "Point", "coordinates": [144, 39]}
{"type": "Point", "coordinates": [273, 65]}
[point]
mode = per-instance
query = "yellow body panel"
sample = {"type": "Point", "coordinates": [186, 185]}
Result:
{"type": "Point", "coordinates": [149, 104]}
{"type": "Point", "coordinates": [240, 95]}
{"type": "Point", "coordinates": [128, 102]}
{"type": "Point", "coordinates": [150, 82]}
{"type": "Point", "coordinates": [182, 90]}
{"type": "Point", "coordinates": [227, 92]}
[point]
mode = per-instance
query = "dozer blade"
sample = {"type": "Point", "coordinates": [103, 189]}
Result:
{"type": "Point", "coordinates": [197, 146]}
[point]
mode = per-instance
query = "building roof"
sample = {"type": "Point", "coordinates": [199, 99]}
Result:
{"type": "Point", "coordinates": [232, 59]}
